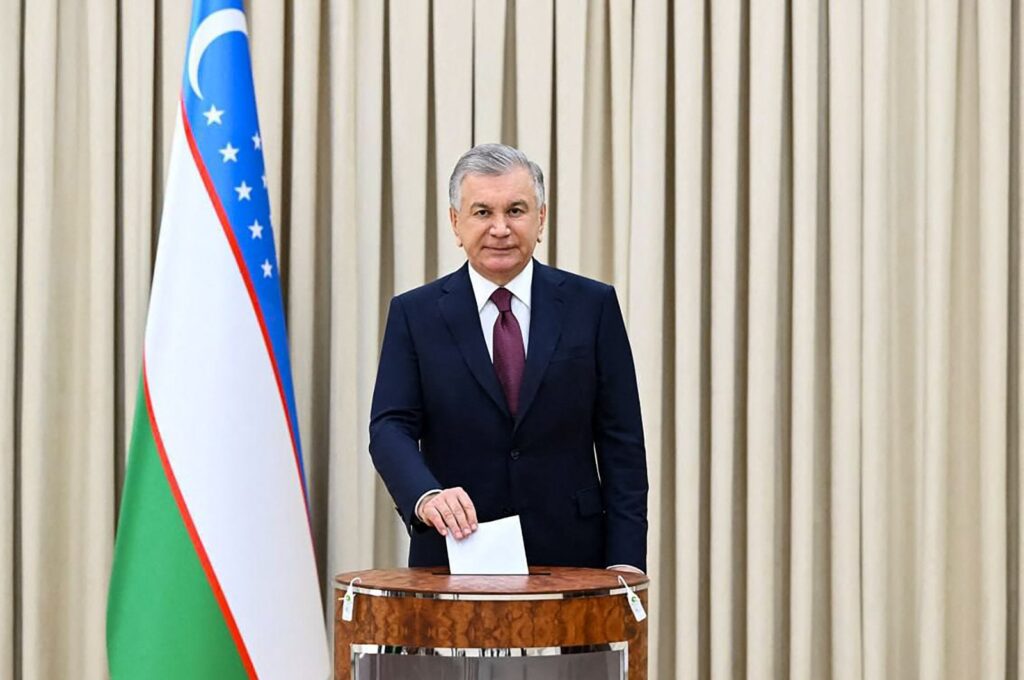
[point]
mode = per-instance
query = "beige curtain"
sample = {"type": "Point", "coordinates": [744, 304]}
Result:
{"type": "Point", "coordinates": [811, 211]}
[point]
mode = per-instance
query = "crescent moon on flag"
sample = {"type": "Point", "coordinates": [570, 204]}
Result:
{"type": "Point", "coordinates": [212, 27]}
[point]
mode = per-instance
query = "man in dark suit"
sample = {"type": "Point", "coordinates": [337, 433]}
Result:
{"type": "Point", "coordinates": [500, 382]}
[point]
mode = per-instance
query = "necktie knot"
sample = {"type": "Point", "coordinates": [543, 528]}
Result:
{"type": "Point", "coordinates": [502, 297]}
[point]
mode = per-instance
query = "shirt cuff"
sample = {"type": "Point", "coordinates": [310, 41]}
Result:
{"type": "Point", "coordinates": [424, 497]}
{"type": "Point", "coordinates": [625, 567]}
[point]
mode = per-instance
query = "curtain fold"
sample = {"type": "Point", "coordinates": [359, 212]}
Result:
{"type": "Point", "coordinates": [811, 212]}
{"type": "Point", "coordinates": [809, 621]}
{"type": "Point", "coordinates": [686, 619]}
{"type": "Point", "coordinates": [846, 175]}
{"type": "Point", "coordinates": [766, 356]}
{"type": "Point", "coordinates": [452, 98]}
{"type": "Point", "coordinates": [647, 307]}
{"type": "Point", "coordinates": [727, 494]}
{"type": "Point", "coordinates": [1015, 406]}
{"type": "Point", "coordinates": [993, 72]}
{"type": "Point", "coordinates": [937, 175]}
{"type": "Point", "coordinates": [876, 318]}
{"type": "Point", "coordinates": [10, 233]}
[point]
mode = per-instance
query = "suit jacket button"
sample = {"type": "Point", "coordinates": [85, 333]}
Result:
{"type": "Point", "coordinates": [515, 454]}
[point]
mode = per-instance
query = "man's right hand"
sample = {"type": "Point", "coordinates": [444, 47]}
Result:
{"type": "Point", "coordinates": [449, 510]}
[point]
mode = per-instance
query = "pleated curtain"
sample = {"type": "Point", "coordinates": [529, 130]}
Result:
{"type": "Point", "coordinates": [811, 212]}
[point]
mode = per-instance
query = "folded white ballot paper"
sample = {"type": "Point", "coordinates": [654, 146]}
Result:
{"type": "Point", "coordinates": [494, 548]}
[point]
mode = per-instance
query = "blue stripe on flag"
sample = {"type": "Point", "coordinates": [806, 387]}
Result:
{"type": "Point", "coordinates": [227, 133]}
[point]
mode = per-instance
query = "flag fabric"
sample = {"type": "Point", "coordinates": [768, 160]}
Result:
{"type": "Point", "coordinates": [214, 574]}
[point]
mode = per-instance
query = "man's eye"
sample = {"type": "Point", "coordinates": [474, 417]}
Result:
{"type": "Point", "coordinates": [516, 211]}
{"type": "Point", "coordinates": [481, 213]}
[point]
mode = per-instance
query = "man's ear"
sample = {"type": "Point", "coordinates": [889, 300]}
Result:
{"type": "Point", "coordinates": [453, 217]}
{"type": "Point", "coordinates": [543, 213]}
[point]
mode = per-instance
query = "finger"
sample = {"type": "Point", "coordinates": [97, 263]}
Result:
{"type": "Point", "coordinates": [460, 513]}
{"type": "Point", "coordinates": [448, 513]}
{"type": "Point", "coordinates": [469, 509]}
{"type": "Point", "coordinates": [433, 513]}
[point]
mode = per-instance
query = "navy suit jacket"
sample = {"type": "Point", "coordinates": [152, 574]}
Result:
{"type": "Point", "coordinates": [440, 419]}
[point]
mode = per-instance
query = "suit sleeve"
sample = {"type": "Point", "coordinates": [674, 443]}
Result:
{"type": "Point", "coordinates": [619, 441]}
{"type": "Point", "coordinates": [396, 418]}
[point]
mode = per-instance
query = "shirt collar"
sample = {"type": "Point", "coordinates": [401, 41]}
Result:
{"type": "Point", "coordinates": [520, 286]}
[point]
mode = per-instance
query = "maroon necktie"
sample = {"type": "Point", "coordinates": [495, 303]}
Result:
{"type": "Point", "coordinates": [509, 353]}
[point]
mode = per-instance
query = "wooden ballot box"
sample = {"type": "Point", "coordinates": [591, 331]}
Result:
{"type": "Point", "coordinates": [558, 623]}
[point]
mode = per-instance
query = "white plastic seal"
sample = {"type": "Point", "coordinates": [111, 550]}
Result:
{"type": "Point", "coordinates": [635, 605]}
{"type": "Point", "coordinates": [349, 601]}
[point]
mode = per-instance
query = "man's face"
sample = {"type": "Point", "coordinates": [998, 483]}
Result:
{"type": "Point", "coordinates": [498, 223]}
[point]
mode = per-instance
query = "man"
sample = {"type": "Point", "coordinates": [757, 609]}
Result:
{"type": "Point", "coordinates": [498, 384]}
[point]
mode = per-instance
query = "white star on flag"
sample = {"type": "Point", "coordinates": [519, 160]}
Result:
{"type": "Point", "coordinates": [243, 191]}
{"type": "Point", "coordinates": [267, 268]}
{"type": "Point", "coordinates": [213, 115]}
{"type": "Point", "coordinates": [256, 228]}
{"type": "Point", "coordinates": [229, 153]}
{"type": "Point", "coordinates": [257, 142]}
{"type": "Point", "coordinates": [264, 181]}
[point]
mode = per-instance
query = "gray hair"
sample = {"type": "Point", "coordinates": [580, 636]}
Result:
{"type": "Point", "coordinates": [492, 159]}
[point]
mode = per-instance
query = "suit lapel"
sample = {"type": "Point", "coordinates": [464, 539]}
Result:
{"type": "Point", "coordinates": [545, 327]}
{"type": "Point", "coordinates": [458, 307]}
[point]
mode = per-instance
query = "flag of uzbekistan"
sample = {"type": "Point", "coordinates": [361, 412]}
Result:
{"type": "Point", "coordinates": [214, 574]}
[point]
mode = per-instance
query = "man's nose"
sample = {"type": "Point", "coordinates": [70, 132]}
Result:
{"type": "Point", "coordinates": [499, 227]}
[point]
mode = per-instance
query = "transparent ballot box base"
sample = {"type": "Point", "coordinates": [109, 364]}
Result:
{"type": "Point", "coordinates": [597, 662]}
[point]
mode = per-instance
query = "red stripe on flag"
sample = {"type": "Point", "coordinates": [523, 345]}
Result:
{"type": "Point", "coordinates": [244, 271]}
{"type": "Point", "coordinates": [190, 526]}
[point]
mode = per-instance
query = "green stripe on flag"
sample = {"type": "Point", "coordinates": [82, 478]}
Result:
{"type": "Point", "coordinates": [162, 618]}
